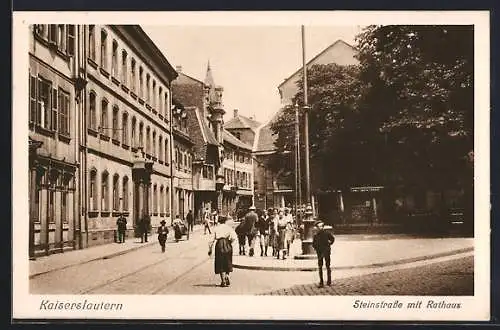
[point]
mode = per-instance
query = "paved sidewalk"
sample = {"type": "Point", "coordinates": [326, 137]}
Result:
{"type": "Point", "coordinates": [59, 261]}
{"type": "Point", "coordinates": [351, 253]}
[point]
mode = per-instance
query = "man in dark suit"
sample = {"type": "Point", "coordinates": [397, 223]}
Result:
{"type": "Point", "coordinates": [322, 242]}
{"type": "Point", "coordinates": [251, 219]}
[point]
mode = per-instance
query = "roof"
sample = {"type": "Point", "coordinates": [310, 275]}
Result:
{"type": "Point", "coordinates": [208, 134]}
{"type": "Point", "coordinates": [230, 138]}
{"type": "Point", "coordinates": [242, 122]}
{"type": "Point", "coordinates": [315, 57]}
{"type": "Point", "coordinates": [265, 139]}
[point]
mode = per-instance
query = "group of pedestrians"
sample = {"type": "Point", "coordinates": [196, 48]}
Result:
{"type": "Point", "coordinates": [274, 228]}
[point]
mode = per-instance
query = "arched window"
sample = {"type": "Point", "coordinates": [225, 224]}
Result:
{"type": "Point", "coordinates": [124, 67]}
{"type": "Point", "coordinates": [125, 128]}
{"type": "Point", "coordinates": [116, 193]}
{"type": "Point", "coordinates": [160, 103]}
{"type": "Point", "coordinates": [148, 91]}
{"type": "Point", "coordinates": [153, 99]}
{"type": "Point", "coordinates": [155, 200]}
{"type": "Point", "coordinates": [160, 148]}
{"type": "Point", "coordinates": [125, 194]}
{"type": "Point", "coordinates": [114, 59]}
{"type": "Point", "coordinates": [153, 150]}
{"type": "Point", "coordinates": [92, 111]}
{"type": "Point", "coordinates": [133, 135]}
{"type": "Point", "coordinates": [148, 140]}
{"type": "Point", "coordinates": [104, 117]}
{"type": "Point", "coordinates": [115, 127]}
{"type": "Point", "coordinates": [162, 210]}
{"type": "Point", "coordinates": [132, 75]}
{"type": "Point", "coordinates": [167, 153]}
{"type": "Point", "coordinates": [104, 191]}
{"type": "Point", "coordinates": [104, 49]}
{"type": "Point", "coordinates": [93, 190]}
{"type": "Point", "coordinates": [141, 82]}
{"type": "Point", "coordinates": [92, 42]}
{"type": "Point", "coordinates": [141, 135]}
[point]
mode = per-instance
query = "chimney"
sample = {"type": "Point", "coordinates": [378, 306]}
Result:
{"type": "Point", "coordinates": [235, 113]}
{"type": "Point", "coordinates": [178, 68]}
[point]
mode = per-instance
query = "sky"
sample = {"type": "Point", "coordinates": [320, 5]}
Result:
{"type": "Point", "coordinates": [249, 62]}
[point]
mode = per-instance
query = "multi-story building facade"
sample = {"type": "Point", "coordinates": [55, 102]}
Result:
{"type": "Point", "coordinates": [126, 130]}
{"type": "Point", "coordinates": [238, 175]}
{"type": "Point", "coordinates": [53, 139]}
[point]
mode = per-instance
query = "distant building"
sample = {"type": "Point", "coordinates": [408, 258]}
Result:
{"type": "Point", "coordinates": [272, 190]}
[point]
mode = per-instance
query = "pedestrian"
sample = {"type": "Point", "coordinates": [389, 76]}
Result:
{"type": "Point", "coordinates": [177, 224]}
{"type": "Point", "coordinates": [121, 224]}
{"type": "Point", "coordinates": [223, 238]}
{"type": "Point", "coordinates": [190, 220]}
{"type": "Point", "coordinates": [263, 226]}
{"type": "Point", "coordinates": [162, 235]}
{"type": "Point", "coordinates": [280, 232]}
{"type": "Point", "coordinates": [322, 242]}
{"type": "Point", "coordinates": [289, 230]}
{"type": "Point", "coordinates": [250, 221]}
{"type": "Point", "coordinates": [215, 218]}
{"type": "Point", "coordinates": [242, 237]}
{"type": "Point", "coordinates": [206, 222]}
{"type": "Point", "coordinates": [273, 236]}
{"type": "Point", "coordinates": [144, 228]}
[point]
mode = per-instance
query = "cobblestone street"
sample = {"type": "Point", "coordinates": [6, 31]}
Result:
{"type": "Point", "coordinates": [448, 278]}
{"type": "Point", "coordinates": [185, 268]}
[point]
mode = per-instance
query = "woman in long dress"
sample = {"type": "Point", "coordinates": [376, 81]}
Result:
{"type": "Point", "coordinates": [223, 238]}
{"type": "Point", "coordinates": [281, 231]}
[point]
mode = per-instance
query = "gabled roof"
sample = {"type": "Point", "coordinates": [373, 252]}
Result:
{"type": "Point", "coordinates": [336, 43]}
{"type": "Point", "coordinates": [230, 138]}
{"type": "Point", "coordinates": [208, 134]}
{"type": "Point", "coordinates": [264, 138]}
{"type": "Point", "coordinates": [242, 122]}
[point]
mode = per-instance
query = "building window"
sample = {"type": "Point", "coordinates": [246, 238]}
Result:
{"type": "Point", "coordinates": [125, 194]}
{"type": "Point", "coordinates": [124, 67]}
{"type": "Point", "coordinates": [167, 200]}
{"type": "Point", "coordinates": [51, 211]}
{"type": "Point", "coordinates": [93, 190]}
{"type": "Point", "coordinates": [61, 40]}
{"type": "Point", "coordinates": [41, 30]}
{"type": "Point", "coordinates": [141, 135]}
{"type": "Point", "coordinates": [53, 34]}
{"type": "Point", "coordinates": [125, 128]}
{"type": "Point", "coordinates": [43, 103]}
{"type": "Point", "coordinates": [167, 153]}
{"type": "Point", "coordinates": [70, 44]}
{"type": "Point", "coordinates": [104, 192]}
{"type": "Point", "coordinates": [53, 114]}
{"type": "Point", "coordinates": [33, 100]}
{"type": "Point", "coordinates": [116, 197]}
{"type": "Point", "coordinates": [155, 199]}
{"type": "Point", "coordinates": [64, 207]}
{"type": "Point", "coordinates": [104, 117]}
{"type": "Point", "coordinates": [133, 135]}
{"type": "Point", "coordinates": [153, 99]}
{"type": "Point", "coordinates": [153, 150]}
{"type": "Point", "coordinates": [148, 91]}
{"type": "Point", "coordinates": [64, 113]}
{"type": "Point", "coordinates": [114, 59]}
{"type": "Point", "coordinates": [148, 140]}
{"type": "Point", "coordinates": [115, 127]}
{"type": "Point", "coordinates": [160, 103]}
{"type": "Point", "coordinates": [141, 82]}
{"type": "Point", "coordinates": [160, 148]}
{"type": "Point", "coordinates": [92, 111]}
{"type": "Point", "coordinates": [162, 201]}
{"type": "Point", "coordinates": [92, 42]}
{"type": "Point", "coordinates": [104, 49]}
{"type": "Point", "coordinates": [132, 75]}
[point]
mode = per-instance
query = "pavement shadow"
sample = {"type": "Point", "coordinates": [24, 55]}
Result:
{"type": "Point", "coordinates": [212, 285]}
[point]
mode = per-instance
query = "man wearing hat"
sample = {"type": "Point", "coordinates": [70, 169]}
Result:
{"type": "Point", "coordinates": [322, 242]}
{"type": "Point", "coordinates": [251, 219]}
{"type": "Point", "coordinates": [162, 235]}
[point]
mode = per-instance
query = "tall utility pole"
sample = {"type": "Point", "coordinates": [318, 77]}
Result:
{"type": "Point", "coordinates": [298, 186]}
{"type": "Point", "coordinates": [306, 120]}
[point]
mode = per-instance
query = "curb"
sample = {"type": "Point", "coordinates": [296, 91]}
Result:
{"type": "Point", "coordinates": [374, 265]}
{"type": "Point", "coordinates": [103, 257]}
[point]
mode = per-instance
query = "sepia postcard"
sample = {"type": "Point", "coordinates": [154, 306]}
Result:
{"type": "Point", "coordinates": [327, 166]}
